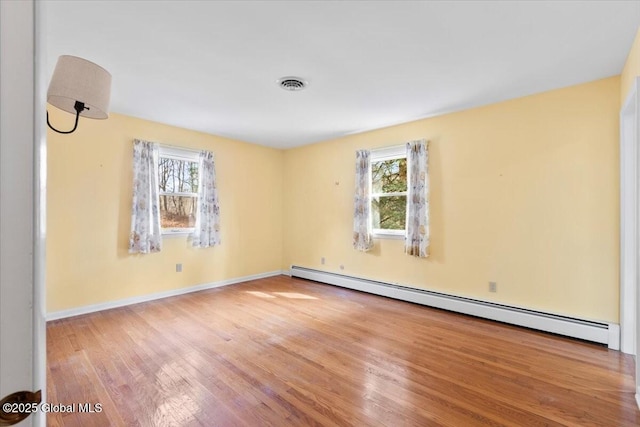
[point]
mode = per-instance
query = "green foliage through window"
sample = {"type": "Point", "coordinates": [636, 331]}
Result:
{"type": "Point", "coordinates": [389, 194]}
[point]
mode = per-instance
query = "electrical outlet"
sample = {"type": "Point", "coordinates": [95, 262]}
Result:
{"type": "Point", "coordinates": [493, 287]}
{"type": "Point", "coordinates": [179, 268]}
{"type": "Point", "coordinates": [322, 260]}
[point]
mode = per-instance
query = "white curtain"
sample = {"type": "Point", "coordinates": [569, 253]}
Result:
{"type": "Point", "coordinates": [362, 233]}
{"type": "Point", "coordinates": [417, 239]}
{"type": "Point", "coordinates": [145, 234]}
{"type": "Point", "coordinates": [207, 229]}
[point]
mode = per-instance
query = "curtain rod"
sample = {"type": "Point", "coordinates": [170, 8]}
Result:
{"type": "Point", "coordinates": [388, 148]}
{"type": "Point", "coordinates": [394, 147]}
{"type": "Point", "coordinates": [178, 147]}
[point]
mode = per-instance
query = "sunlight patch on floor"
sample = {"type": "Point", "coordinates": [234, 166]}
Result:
{"type": "Point", "coordinates": [290, 295]}
{"type": "Point", "coordinates": [294, 295]}
{"type": "Point", "coordinates": [260, 294]}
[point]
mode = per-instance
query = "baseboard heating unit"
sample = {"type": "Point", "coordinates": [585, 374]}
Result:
{"type": "Point", "coordinates": [603, 333]}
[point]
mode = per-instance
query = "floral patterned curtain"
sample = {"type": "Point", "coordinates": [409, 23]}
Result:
{"type": "Point", "coordinates": [207, 229]}
{"type": "Point", "coordinates": [145, 234]}
{"type": "Point", "coordinates": [362, 237]}
{"type": "Point", "coordinates": [417, 239]}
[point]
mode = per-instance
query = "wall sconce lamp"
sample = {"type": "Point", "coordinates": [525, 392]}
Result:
{"type": "Point", "coordinates": [79, 87]}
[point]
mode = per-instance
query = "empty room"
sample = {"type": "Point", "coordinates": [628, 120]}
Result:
{"type": "Point", "coordinates": [319, 213]}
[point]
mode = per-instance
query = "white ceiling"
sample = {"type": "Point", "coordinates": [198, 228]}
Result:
{"type": "Point", "coordinates": [212, 66]}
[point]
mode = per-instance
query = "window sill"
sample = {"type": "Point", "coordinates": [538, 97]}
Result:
{"type": "Point", "coordinates": [180, 233]}
{"type": "Point", "coordinates": [390, 236]}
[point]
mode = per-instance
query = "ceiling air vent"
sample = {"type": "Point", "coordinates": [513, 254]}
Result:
{"type": "Point", "coordinates": [292, 83]}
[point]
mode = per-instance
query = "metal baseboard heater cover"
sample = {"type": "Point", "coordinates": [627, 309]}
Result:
{"type": "Point", "coordinates": [599, 332]}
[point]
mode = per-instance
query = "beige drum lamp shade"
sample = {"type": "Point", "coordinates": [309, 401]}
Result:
{"type": "Point", "coordinates": [80, 87]}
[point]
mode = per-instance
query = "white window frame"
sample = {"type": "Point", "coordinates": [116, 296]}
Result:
{"type": "Point", "coordinates": [378, 155]}
{"type": "Point", "coordinates": [183, 154]}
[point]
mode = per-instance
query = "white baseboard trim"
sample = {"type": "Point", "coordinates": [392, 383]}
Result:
{"type": "Point", "coordinates": [600, 332]}
{"type": "Point", "coordinates": [158, 295]}
{"type": "Point", "coordinates": [613, 342]}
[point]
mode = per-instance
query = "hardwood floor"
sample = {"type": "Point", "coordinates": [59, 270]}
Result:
{"type": "Point", "coordinates": [283, 351]}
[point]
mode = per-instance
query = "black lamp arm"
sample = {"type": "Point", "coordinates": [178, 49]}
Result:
{"type": "Point", "coordinates": [79, 107]}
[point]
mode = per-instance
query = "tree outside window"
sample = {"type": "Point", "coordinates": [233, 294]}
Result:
{"type": "Point", "coordinates": [178, 183]}
{"type": "Point", "coordinates": [389, 194]}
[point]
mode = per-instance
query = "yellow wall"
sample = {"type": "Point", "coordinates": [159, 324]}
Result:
{"type": "Point", "coordinates": [631, 69]}
{"type": "Point", "coordinates": [524, 193]}
{"type": "Point", "coordinates": [89, 205]}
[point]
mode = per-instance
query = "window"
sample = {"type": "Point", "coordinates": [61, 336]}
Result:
{"type": "Point", "coordinates": [389, 191]}
{"type": "Point", "coordinates": [178, 173]}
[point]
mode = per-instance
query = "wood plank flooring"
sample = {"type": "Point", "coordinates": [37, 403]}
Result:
{"type": "Point", "coordinates": [283, 351]}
